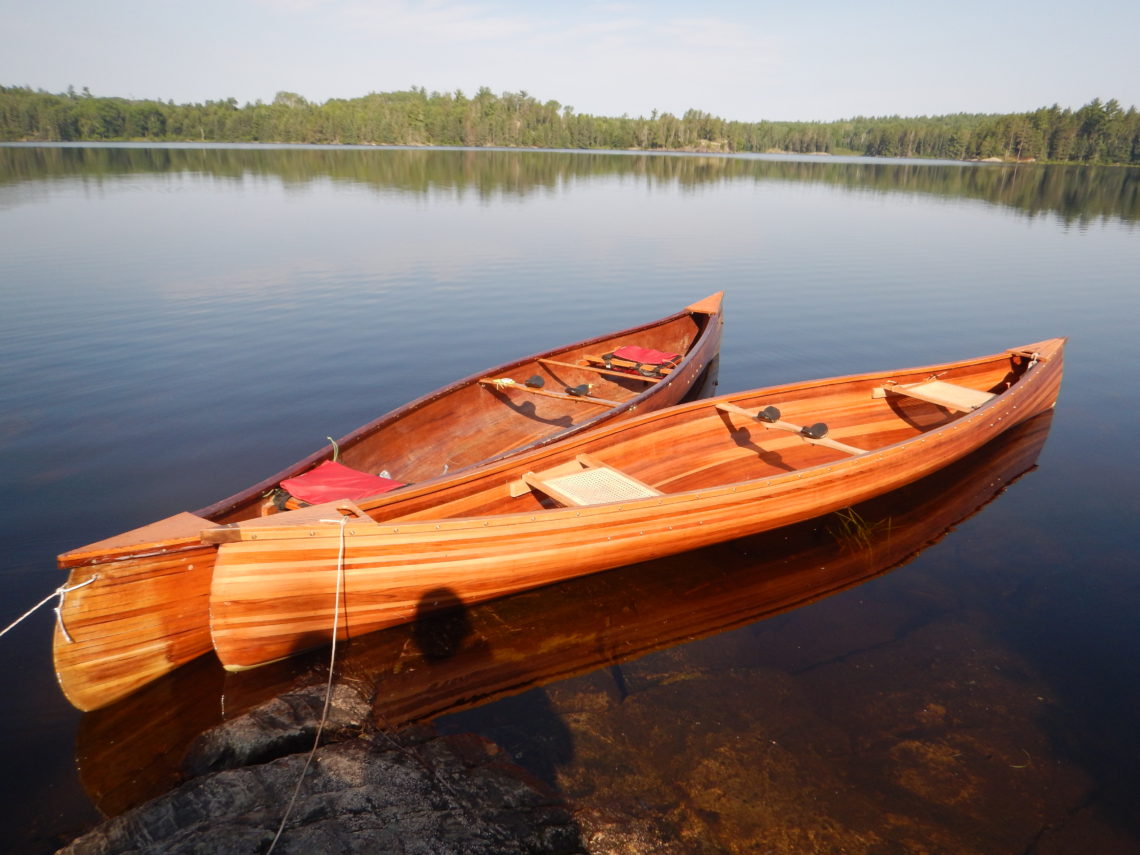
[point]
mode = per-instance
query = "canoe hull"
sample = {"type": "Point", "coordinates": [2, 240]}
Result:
{"type": "Point", "coordinates": [140, 620]}
{"type": "Point", "coordinates": [274, 591]}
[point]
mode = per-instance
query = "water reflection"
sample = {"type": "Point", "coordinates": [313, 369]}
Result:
{"type": "Point", "coordinates": [461, 658]}
{"type": "Point", "coordinates": [1077, 194]}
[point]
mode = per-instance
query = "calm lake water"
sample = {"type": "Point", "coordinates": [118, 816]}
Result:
{"type": "Point", "coordinates": [178, 322]}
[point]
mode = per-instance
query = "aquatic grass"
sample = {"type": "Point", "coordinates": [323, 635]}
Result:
{"type": "Point", "coordinates": [851, 530]}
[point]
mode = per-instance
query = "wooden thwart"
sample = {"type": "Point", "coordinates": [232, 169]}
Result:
{"type": "Point", "coordinates": [948, 395]}
{"type": "Point", "coordinates": [588, 481]}
{"type": "Point", "coordinates": [598, 370]}
{"type": "Point", "coordinates": [663, 370]}
{"type": "Point", "coordinates": [780, 424]}
{"type": "Point", "coordinates": [520, 387]}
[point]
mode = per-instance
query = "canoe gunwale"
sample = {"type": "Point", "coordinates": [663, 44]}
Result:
{"type": "Point", "coordinates": [77, 558]}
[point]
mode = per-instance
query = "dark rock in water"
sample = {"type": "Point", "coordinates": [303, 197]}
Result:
{"type": "Point", "coordinates": [285, 725]}
{"type": "Point", "coordinates": [409, 792]}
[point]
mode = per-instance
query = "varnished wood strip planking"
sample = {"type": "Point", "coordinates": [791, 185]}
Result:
{"type": "Point", "coordinates": [147, 616]}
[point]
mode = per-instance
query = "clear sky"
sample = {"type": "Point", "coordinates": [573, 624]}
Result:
{"type": "Point", "coordinates": [819, 60]}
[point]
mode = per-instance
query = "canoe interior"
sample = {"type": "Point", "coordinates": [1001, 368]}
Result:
{"type": "Point", "coordinates": [699, 447]}
{"type": "Point", "coordinates": [477, 422]}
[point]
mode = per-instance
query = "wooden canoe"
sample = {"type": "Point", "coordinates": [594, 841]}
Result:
{"type": "Point", "coordinates": [664, 482]}
{"type": "Point", "coordinates": [133, 750]}
{"type": "Point", "coordinates": [136, 605]}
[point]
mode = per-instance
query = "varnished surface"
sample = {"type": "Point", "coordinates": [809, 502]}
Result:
{"type": "Point", "coordinates": [117, 645]}
{"type": "Point", "coordinates": [166, 534]}
{"type": "Point", "coordinates": [723, 476]}
{"type": "Point", "coordinates": [140, 619]}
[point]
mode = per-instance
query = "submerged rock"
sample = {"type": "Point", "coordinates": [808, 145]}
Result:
{"type": "Point", "coordinates": [285, 725]}
{"type": "Point", "coordinates": [368, 791]}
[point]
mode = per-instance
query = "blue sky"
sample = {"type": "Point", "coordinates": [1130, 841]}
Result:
{"type": "Point", "coordinates": [756, 60]}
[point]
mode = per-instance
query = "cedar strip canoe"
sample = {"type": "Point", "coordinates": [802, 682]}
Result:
{"type": "Point", "coordinates": [146, 612]}
{"type": "Point", "coordinates": [133, 750]}
{"type": "Point", "coordinates": [661, 483]}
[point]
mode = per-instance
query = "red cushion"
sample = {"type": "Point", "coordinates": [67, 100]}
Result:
{"type": "Point", "coordinates": [332, 481]}
{"type": "Point", "coordinates": [645, 355]}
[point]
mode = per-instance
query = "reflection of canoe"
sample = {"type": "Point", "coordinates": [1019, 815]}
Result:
{"type": "Point", "coordinates": [677, 479]}
{"type": "Point", "coordinates": [146, 612]}
{"type": "Point", "coordinates": [130, 751]}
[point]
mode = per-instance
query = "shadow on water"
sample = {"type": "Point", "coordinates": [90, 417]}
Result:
{"type": "Point", "coordinates": [441, 626]}
{"type": "Point", "coordinates": [527, 727]}
{"type": "Point", "coordinates": [449, 665]}
{"type": "Point", "coordinates": [442, 629]}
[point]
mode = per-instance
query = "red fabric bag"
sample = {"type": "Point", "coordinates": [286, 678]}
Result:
{"type": "Point", "coordinates": [331, 481]}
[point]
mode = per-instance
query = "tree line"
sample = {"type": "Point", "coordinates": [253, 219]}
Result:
{"type": "Point", "coordinates": [1100, 132]}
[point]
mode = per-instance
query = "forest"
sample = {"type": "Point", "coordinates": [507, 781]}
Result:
{"type": "Point", "coordinates": [1100, 132]}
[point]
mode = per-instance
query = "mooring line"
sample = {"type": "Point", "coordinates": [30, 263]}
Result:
{"type": "Point", "coordinates": [328, 686]}
{"type": "Point", "coordinates": [61, 592]}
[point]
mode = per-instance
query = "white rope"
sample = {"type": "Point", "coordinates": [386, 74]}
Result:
{"type": "Point", "coordinates": [60, 592]}
{"type": "Point", "coordinates": [328, 687]}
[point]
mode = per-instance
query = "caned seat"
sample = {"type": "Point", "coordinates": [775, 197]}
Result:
{"type": "Point", "coordinates": [595, 483]}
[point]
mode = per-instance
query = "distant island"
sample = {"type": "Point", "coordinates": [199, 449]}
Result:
{"type": "Point", "coordinates": [1100, 132]}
